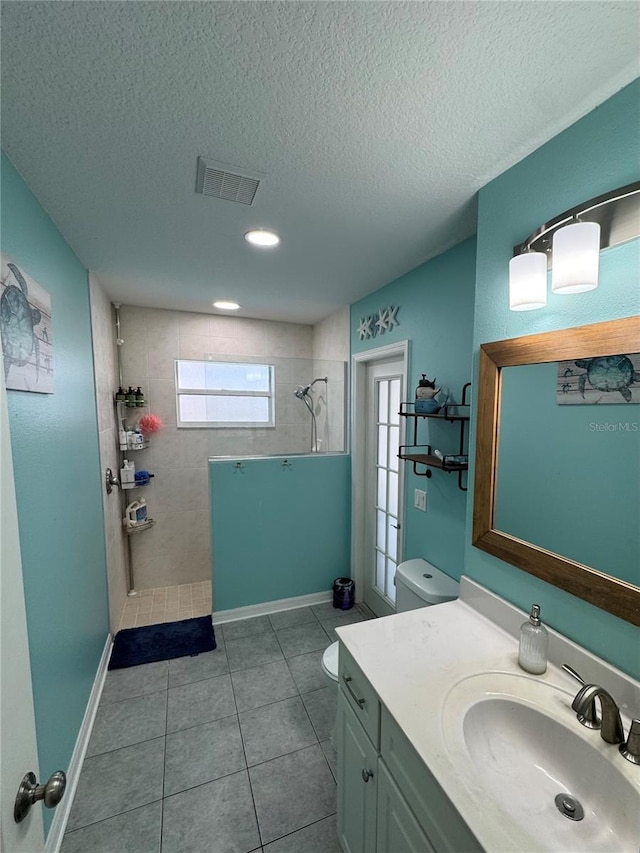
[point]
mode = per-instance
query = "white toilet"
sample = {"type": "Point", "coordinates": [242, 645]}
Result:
{"type": "Point", "coordinates": [418, 584]}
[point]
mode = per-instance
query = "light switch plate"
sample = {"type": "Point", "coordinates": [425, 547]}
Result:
{"type": "Point", "coordinates": [420, 499]}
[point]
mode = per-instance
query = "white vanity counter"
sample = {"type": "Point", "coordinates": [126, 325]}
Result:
{"type": "Point", "coordinates": [428, 667]}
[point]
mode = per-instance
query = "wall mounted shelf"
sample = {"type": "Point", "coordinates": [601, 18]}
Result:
{"type": "Point", "coordinates": [139, 528]}
{"type": "Point", "coordinates": [140, 484]}
{"type": "Point", "coordinates": [134, 448]}
{"type": "Point", "coordinates": [422, 456]}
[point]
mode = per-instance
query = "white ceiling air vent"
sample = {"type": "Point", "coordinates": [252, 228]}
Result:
{"type": "Point", "coordinates": [220, 180]}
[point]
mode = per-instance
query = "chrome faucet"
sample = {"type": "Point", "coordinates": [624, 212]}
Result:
{"type": "Point", "coordinates": [611, 730]}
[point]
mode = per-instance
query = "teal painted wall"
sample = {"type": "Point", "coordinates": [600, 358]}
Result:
{"type": "Point", "coordinates": [597, 154]}
{"type": "Point", "coordinates": [278, 531]}
{"type": "Point", "coordinates": [436, 316]}
{"type": "Point", "coordinates": [54, 442]}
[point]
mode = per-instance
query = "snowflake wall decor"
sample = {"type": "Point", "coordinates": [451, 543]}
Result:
{"type": "Point", "coordinates": [379, 323]}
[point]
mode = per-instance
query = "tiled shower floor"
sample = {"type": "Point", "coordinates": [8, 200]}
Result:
{"type": "Point", "coordinates": [225, 752]}
{"type": "Point", "coordinates": [166, 604]}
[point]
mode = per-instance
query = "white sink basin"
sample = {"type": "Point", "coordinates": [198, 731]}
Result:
{"type": "Point", "coordinates": [517, 744]}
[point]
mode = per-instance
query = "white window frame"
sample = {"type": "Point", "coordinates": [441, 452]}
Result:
{"type": "Point", "coordinates": [204, 392]}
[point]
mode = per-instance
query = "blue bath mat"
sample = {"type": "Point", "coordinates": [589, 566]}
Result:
{"type": "Point", "coordinates": [134, 646]}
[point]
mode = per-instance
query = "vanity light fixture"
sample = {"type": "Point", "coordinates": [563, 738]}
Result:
{"type": "Point", "coordinates": [226, 305]}
{"type": "Point", "coordinates": [570, 246]}
{"type": "Point", "coordinates": [262, 237]}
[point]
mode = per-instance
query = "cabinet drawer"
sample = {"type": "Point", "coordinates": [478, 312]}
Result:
{"type": "Point", "coordinates": [360, 695]}
{"type": "Point", "coordinates": [443, 825]}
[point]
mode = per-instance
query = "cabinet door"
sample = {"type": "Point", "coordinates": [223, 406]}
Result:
{"type": "Point", "coordinates": [357, 782]}
{"type": "Point", "coordinates": [434, 811]}
{"type": "Point", "coordinates": [398, 831]}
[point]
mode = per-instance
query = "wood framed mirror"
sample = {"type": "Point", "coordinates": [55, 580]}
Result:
{"type": "Point", "coordinates": [619, 595]}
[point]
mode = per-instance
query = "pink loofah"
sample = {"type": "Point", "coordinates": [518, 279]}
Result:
{"type": "Point", "coordinates": [150, 423]}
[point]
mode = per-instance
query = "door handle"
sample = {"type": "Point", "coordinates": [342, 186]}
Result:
{"type": "Point", "coordinates": [110, 481]}
{"type": "Point", "coordinates": [397, 526]}
{"type": "Point", "coordinates": [30, 793]}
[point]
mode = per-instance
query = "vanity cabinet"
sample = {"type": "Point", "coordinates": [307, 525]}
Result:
{"type": "Point", "coordinates": [388, 800]}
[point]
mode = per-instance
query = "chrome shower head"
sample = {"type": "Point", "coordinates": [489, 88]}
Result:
{"type": "Point", "coordinates": [302, 391]}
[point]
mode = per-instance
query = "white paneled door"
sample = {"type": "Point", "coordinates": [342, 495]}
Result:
{"type": "Point", "coordinates": [17, 722]}
{"type": "Point", "coordinates": [383, 485]}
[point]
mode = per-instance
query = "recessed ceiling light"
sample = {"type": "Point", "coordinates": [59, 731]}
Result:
{"type": "Point", "coordinates": [262, 237]}
{"type": "Point", "coordinates": [226, 305]}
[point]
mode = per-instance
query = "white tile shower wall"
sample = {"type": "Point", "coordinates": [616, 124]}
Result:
{"type": "Point", "coordinates": [178, 550]}
{"type": "Point", "coordinates": [331, 337]}
{"type": "Point", "coordinates": [330, 358]}
{"type": "Point", "coordinates": [104, 365]}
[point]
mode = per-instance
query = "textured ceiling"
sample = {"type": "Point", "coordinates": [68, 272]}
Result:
{"type": "Point", "coordinates": [375, 124]}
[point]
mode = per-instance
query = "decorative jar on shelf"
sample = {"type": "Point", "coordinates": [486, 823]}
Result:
{"type": "Point", "coordinates": [426, 404]}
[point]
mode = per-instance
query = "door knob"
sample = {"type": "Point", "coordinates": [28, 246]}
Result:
{"type": "Point", "coordinates": [30, 792]}
{"type": "Point", "coordinates": [366, 775]}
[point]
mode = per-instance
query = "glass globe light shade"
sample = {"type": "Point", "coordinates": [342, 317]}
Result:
{"type": "Point", "coordinates": [576, 258]}
{"type": "Point", "coordinates": [528, 281]}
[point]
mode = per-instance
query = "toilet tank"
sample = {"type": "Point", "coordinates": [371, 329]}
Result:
{"type": "Point", "coordinates": [419, 584]}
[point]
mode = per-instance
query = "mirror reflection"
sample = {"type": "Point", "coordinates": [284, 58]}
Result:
{"type": "Point", "coordinates": [568, 476]}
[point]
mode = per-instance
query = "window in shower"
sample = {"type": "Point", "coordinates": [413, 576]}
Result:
{"type": "Point", "coordinates": [224, 394]}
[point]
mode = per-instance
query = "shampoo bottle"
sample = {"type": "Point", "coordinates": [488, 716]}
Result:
{"type": "Point", "coordinates": [141, 511]}
{"type": "Point", "coordinates": [534, 644]}
{"type": "Point", "coordinates": [128, 472]}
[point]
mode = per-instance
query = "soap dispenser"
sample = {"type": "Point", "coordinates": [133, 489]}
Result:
{"type": "Point", "coordinates": [534, 643]}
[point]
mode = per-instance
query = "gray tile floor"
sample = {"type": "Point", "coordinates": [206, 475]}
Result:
{"type": "Point", "coordinates": [226, 752]}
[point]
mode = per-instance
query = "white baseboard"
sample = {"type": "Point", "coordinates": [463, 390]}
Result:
{"type": "Point", "coordinates": [61, 814]}
{"type": "Point", "coordinates": [222, 616]}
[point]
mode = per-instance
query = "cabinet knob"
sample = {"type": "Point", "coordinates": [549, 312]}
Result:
{"type": "Point", "coordinates": [366, 775]}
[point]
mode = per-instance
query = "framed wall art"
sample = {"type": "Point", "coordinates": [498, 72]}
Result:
{"type": "Point", "coordinates": [25, 330]}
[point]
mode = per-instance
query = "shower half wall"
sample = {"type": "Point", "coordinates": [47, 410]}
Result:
{"type": "Point", "coordinates": [280, 527]}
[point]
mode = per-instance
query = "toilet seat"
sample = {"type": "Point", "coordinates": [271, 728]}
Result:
{"type": "Point", "coordinates": [330, 661]}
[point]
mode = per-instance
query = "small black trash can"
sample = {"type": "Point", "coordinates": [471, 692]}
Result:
{"type": "Point", "coordinates": [344, 593]}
